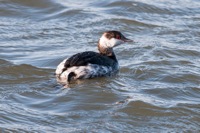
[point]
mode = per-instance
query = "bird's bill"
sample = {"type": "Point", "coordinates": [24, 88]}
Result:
{"type": "Point", "coordinates": [123, 38]}
{"type": "Point", "coordinates": [127, 40]}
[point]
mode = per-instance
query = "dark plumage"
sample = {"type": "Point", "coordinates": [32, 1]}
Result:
{"type": "Point", "coordinates": [90, 57]}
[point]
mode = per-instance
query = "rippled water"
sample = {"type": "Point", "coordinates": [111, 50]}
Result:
{"type": "Point", "coordinates": [156, 90]}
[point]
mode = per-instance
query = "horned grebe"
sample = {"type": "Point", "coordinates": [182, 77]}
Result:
{"type": "Point", "coordinates": [90, 64]}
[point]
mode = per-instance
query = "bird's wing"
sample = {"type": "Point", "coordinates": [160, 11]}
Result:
{"type": "Point", "coordinates": [89, 57]}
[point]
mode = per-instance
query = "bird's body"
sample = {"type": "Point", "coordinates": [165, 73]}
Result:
{"type": "Point", "coordinates": [91, 64]}
{"type": "Point", "coordinates": [87, 65]}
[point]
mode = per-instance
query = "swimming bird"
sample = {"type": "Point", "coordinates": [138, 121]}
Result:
{"type": "Point", "coordinates": [91, 64]}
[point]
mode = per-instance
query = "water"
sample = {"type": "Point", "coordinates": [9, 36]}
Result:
{"type": "Point", "coordinates": [156, 90]}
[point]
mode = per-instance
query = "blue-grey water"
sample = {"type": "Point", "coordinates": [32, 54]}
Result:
{"type": "Point", "coordinates": [156, 90]}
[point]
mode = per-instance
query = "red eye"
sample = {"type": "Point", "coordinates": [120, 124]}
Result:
{"type": "Point", "coordinates": [118, 37]}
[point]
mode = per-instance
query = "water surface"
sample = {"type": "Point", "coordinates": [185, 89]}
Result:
{"type": "Point", "coordinates": [156, 90]}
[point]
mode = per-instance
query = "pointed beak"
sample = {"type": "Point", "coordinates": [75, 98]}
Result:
{"type": "Point", "coordinates": [127, 40]}
{"type": "Point", "coordinates": [123, 38]}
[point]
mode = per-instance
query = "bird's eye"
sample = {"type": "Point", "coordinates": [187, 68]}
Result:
{"type": "Point", "coordinates": [117, 37]}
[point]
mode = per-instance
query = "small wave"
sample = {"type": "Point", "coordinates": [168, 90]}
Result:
{"type": "Point", "coordinates": [13, 74]}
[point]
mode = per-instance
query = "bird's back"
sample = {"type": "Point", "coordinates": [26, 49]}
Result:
{"type": "Point", "coordinates": [87, 65]}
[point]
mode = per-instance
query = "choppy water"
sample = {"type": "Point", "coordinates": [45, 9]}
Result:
{"type": "Point", "coordinates": [156, 90]}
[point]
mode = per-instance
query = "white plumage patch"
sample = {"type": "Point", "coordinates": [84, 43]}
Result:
{"type": "Point", "coordinates": [109, 43]}
{"type": "Point", "coordinates": [82, 72]}
{"type": "Point", "coordinates": [60, 67]}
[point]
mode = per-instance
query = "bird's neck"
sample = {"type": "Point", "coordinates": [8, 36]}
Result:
{"type": "Point", "coordinates": [107, 52]}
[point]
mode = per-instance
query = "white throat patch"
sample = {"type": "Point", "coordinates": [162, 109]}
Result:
{"type": "Point", "coordinates": [106, 43]}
